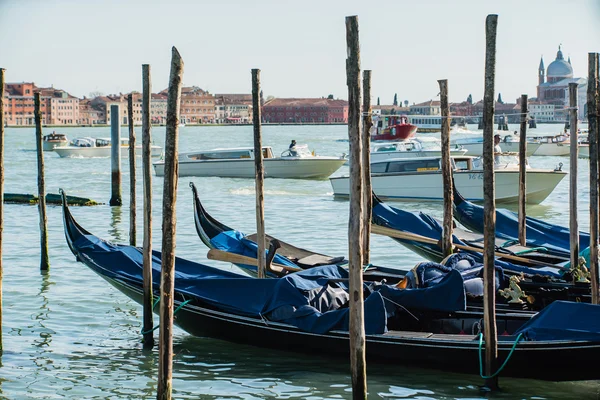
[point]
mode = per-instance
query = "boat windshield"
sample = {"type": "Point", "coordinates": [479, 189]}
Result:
{"type": "Point", "coordinates": [83, 142]}
{"type": "Point", "coordinates": [299, 150]}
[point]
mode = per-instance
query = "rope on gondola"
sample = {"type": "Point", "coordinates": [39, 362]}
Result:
{"type": "Point", "coordinates": [503, 364]}
{"type": "Point", "coordinates": [174, 312]}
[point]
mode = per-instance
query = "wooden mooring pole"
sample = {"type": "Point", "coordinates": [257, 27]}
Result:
{"type": "Point", "coordinates": [115, 155]}
{"type": "Point", "coordinates": [132, 203]}
{"type": "Point", "coordinates": [1, 190]}
{"type": "Point", "coordinates": [523, 171]}
{"type": "Point", "coordinates": [355, 222]}
{"type": "Point", "coordinates": [593, 115]}
{"type": "Point", "coordinates": [574, 149]}
{"type": "Point", "coordinates": [446, 170]}
{"type": "Point", "coordinates": [45, 261]}
{"type": "Point", "coordinates": [366, 166]}
{"type": "Point", "coordinates": [259, 174]}
{"type": "Point", "coordinates": [167, 284]}
{"type": "Point", "coordinates": [147, 186]}
{"type": "Point", "coordinates": [489, 205]}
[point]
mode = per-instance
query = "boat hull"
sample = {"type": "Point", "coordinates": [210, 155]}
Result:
{"type": "Point", "coordinates": [49, 146]}
{"type": "Point", "coordinates": [428, 186]}
{"type": "Point", "coordinates": [402, 132]}
{"type": "Point", "coordinates": [553, 149]}
{"type": "Point", "coordinates": [89, 152]}
{"type": "Point", "coordinates": [292, 168]}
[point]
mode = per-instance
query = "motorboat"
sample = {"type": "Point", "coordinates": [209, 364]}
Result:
{"type": "Point", "coordinates": [391, 128]}
{"type": "Point", "coordinates": [297, 162]}
{"type": "Point", "coordinates": [100, 147]}
{"type": "Point", "coordinates": [509, 143]}
{"type": "Point", "coordinates": [415, 147]}
{"type": "Point", "coordinates": [418, 179]}
{"type": "Point", "coordinates": [54, 140]}
{"type": "Point", "coordinates": [558, 145]}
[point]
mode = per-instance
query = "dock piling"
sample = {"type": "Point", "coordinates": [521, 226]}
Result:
{"type": "Point", "coordinates": [167, 284]}
{"type": "Point", "coordinates": [366, 166]}
{"type": "Point", "coordinates": [446, 170]}
{"type": "Point", "coordinates": [593, 136]}
{"type": "Point", "coordinates": [574, 150]}
{"type": "Point", "coordinates": [259, 175]}
{"type": "Point", "coordinates": [523, 171]}
{"type": "Point", "coordinates": [147, 187]}
{"type": "Point", "coordinates": [489, 205]}
{"type": "Point", "coordinates": [1, 191]}
{"type": "Point", "coordinates": [132, 202]}
{"type": "Point", "coordinates": [355, 222]}
{"type": "Point", "coordinates": [45, 261]}
{"type": "Point", "coordinates": [115, 156]}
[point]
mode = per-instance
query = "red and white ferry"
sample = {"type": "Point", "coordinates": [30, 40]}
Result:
{"type": "Point", "coordinates": [392, 128]}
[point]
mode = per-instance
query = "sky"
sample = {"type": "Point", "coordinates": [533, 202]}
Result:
{"type": "Point", "coordinates": [86, 46]}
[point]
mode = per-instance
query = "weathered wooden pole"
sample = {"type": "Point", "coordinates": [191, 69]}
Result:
{"type": "Point", "coordinates": [132, 203]}
{"type": "Point", "coordinates": [167, 283]}
{"type": "Point", "coordinates": [1, 190]}
{"type": "Point", "coordinates": [115, 156]}
{"type": "Point", "coordinates": [366, 166]}
{"type": "Point", "coordinates": [592, 98]}
{"type": "Point", "coordinates": [446, 170]}
{"type": "Point", "coordinates": [355, 222]}
{"type": "Point", "coordinates": [147, 178]}
{"type": "Point", "coordinates": [523, 171]}
{"type": "Point", "coordinates": [45, 261]}
{"type": "Point", "coordinates": [574, 149]}
{"type": "Point", "coordinates": [489, 205]}
{"type": "Point", "coordinates": [259, 174]}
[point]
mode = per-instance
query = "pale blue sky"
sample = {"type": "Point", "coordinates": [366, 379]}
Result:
{"type": "Point", "coordinates": [85, 45]}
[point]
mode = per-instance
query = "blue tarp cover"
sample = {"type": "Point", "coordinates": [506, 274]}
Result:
{"type": "Point", "coordinates": [564, 320]}
{"type": "Point", "coordinates": [539, 233]}
{"type": "Point", "coordinates": [313, 300]}
{"type": "Point", "coordinates": [424, 225]}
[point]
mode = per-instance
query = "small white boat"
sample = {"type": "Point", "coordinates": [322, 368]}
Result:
{"type": "Point", "coordinates": [297, 163]}
{"type": "Point", "coordinates": [558, 145]}
{"type": "Point", "coordinates": [420, 179]}
{"type": "Point", "coordinates": [510, 143]}
{"type": "Point", "coordinates": [100, 147]}
{"type": "Point", "coordinates": [416, 147]}
{"type": "Point", "coordinates": [54, 140]}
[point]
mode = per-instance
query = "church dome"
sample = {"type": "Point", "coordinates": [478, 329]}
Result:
{"type": "Point", "coordinates": [560, 68]}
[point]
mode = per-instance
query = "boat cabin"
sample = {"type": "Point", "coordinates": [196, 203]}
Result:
{"type": "Point", "coordinates": [55, 137]}
{"type": "Point", "coordinates": [428, 164]}
{"type": "Point", "coordinates": [227, 154]}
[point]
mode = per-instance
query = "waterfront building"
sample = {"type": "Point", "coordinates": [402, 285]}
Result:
{"type": "Point", "coordinates": [197, 106]}
{"type": "Point", "coordinates": [553, 87]}
{"type": "Point", "coordinates": [542, 112]}
{"type": "Point", "coordinates": [431, 107]}
{"type": "Point", "coordinates": [319, 110]}
{"type": "Point", "coordinates": [233, 108]}
{"type": "Point", "coordinates": [104, 103]}
{"type": "Point", "coordinates": [158, 109]}
{"type": "Point", "coordinates": [90, 115]}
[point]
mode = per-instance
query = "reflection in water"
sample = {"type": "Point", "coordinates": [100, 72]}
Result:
{"type": "Point", "coordinates": [115, 221]}
{"type": "Point", "coordinates": [43, 359]}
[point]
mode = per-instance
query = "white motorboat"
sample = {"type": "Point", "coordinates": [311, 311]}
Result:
{"type": "Point", "coordinates": [558, 145]}
{"type": "Point", "coordinates": [510, 143]}
{"type": "Point", "coordinates": [100, 147]}
{"type": "Point", "coordinates": [54, 140]}
{"type": "Point", "coordinates": [297, 162]}
{"type": "Point", "coordinates": [416, 147]}
{"type": "Point", "coordinates": [418, 179]}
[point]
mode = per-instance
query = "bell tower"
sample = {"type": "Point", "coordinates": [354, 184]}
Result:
{"type": "Point", "coordinates": [541, 71]}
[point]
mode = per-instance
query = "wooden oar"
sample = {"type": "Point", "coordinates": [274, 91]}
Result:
{"type": "Point", "coordinates": [220, 255]}
{"type": "Point", "coordinates": [382, 230]}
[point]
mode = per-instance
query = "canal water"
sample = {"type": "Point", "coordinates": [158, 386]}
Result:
{"type": "Point", "coordinates": [68, 334]}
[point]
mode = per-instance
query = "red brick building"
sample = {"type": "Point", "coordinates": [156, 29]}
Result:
{"type": "Point", "coordinates": [327, 111]}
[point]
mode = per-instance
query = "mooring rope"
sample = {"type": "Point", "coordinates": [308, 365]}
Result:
{"type": "Point", "coordinates": [174, 312]}
{"type": "Point", "coordinates": [503, 364]}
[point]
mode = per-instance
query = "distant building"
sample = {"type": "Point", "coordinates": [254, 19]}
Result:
{"type": "Point", "coordinates": [553, 87]}
{"type": "Point", "coordinates": [197, 106]}
{"type": "Point", "coordinates": [90, 115]}
{"type": "Point", "coordinates": [321, 110]}
{"type": "Point", "coordinates": [542, 112]}
{"type": "Point", "coordinates": [431, 107]}
{"type": "Point", "coordinates": [158, 109]}
{"type": "Point", "coordinates": [233, 108]}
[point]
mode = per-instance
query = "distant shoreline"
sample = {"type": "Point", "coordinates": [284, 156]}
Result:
{"type": "Point", "coordinates": [190, 125]}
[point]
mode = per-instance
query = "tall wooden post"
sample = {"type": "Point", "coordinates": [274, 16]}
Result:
{"type": "Point", "coordinates": [115, 155]}
{"type": "Point", "coordinates": [132, 202]}
{"type": "Point", "coordinates": [366, 165]}
{"type": "Point", "coordinates": [147, 174]}
{"type": "Point", "coordinates": [489, 205]}
{"type": "Point", "coordinates": [167, 283]}
{"type": "Point", "coordinates": [1, 190]}
{"type": "Point", "coordinates": [45, 261]}
{"type": "Point", "coordinates": [523, 171]}
{"type": "Point", "coordinates": [574, 148]}
{"type": "Point", "coordinates": [259, 174]}
{"type": "Point", "coordinates": [355, 222]}
{"type": "Point", "coordinates": [446, 170]}
{"type": "Point", "coordinates": [592, 96]}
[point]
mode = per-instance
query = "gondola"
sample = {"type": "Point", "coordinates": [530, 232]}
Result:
{"type": "Point", "coordinates": [216, 235]}
{"type": "Point", "coordinates": [554, 238]}
{"type": "Point", "coordinates": [307, 312]}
